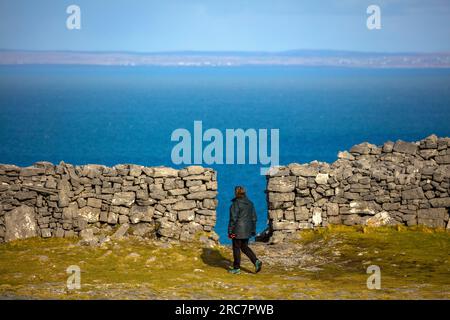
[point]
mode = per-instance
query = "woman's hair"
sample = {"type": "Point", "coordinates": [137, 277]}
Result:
{"type": "Point", "coordinates": [239, 192]}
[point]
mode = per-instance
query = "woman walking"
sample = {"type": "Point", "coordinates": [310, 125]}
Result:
{"type": "Point", "coordinates": [242, 226]}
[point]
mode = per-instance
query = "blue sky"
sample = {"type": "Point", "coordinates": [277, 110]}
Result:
{"type": "Point", "coordinates": [243, 25]}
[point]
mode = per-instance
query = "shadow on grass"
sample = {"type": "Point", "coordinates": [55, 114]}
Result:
{"type": "Point", "coordinates": [214, 258]}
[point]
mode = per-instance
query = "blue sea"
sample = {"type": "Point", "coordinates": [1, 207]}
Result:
{"type": "Point", "coordinates": [112, 115]}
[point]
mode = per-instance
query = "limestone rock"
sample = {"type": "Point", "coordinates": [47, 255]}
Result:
{"type": "Point", "coordinates": [303, 170]}
{"type": "Point", "coordinates": [443, 159]}
{"type": "Point", "coordinates": [284, 225]}
{"type": "Point", "coordinates": [165, 172]}
{"type": "Point", "coordinates": [416, 193]}
{"type": "Point", "coordinates": [388, 147]}
{"type": "Point", "coordinates": [281, 184]}
{"type": "Point", "coordinates": [405, 147]}
{"type": "Point", "coordinates": [210, 204]}
{"type": "Point", "coordinates": [317, 216]}
{"type": "Point", "coordinates": [433, 217]}
{"type": "Point", "coordinates": [430, 142]}
{"type": "Point", "coordinates": [71, 211]}
{"type": "Point", "coordinates": [63, 193]}
{"type": "Point", "coordinates": [168, 229]}
{"type": "Point", "coordinates": [382, 218]}
{"type": "Point", "coordinates": [332, 209]}
{"type": "Point", "coordinates": [351, 220]}
{"type": "Point", "coordinates": [206, 176]}
{"type": "Point", "coordinates": [88, 238]}
{"type": "Point", "coordinates": [278, 171]}
{"type": "Point", "coordinates": [143, 229]}
{"type": "Point", "coordinates": [186, 215]}
{"type": "Point", "coordinates": [277, 237]}
{"type": "Point", "coordinates": [25, 195]}
{"type": "Point", "coordinates": [135, 171]}
{"type": "Point", "coordinates": [362, 148]}
{"type": "Point", "coordinates": [184, 205]}
{"type": "Point", "coordinates": [428, 153]}
{"type": "Point", "coordinates": [31, 171]}
{"type": "Point", "coordinates": [142, 195]}
{"type": "Point", "coordinates": [302, 213]}
{"type": "Point", "coordinates": [123, 199]}
{"type": "Point", "coordinates": [206, 212]}
{"type": "Point", "coordinates": [345, 155]}
{"type": "Point", "coordinates": [202, 195]}
{"type": "Point", "coordinates": [141, 214]}
{"type": "Point", "coordinates": [20, 223]}
{"type": "Point", "coordinates": [89, 214]}
{"type": "Point", "coordinates": [281, 197]}
{"type": "Point", "coordinates": [121, 232]}
{"type": "Point", "coordinates": [322, 178]}
{"type": "Point", "coordinates": [195, 170]}
{"type": "Point", "coordinates": [95, 203]}
{"type": "Point", "coordinates": [363, 207]}
{"type": "Point", "coordinates": [440, 202]}
{"type": "Point", "coordinates": [91, 170]}
{"type": "Point", "coordinates": [112, 218]}
{"type": "Point", "coordinates": [178, 192]}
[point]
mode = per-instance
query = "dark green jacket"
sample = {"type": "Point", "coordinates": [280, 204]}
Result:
{"type": "Point", "coordinates": [242, 218]}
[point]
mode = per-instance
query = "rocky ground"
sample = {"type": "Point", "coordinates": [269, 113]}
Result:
{"type": "Point", "coordinates": [328, 263]}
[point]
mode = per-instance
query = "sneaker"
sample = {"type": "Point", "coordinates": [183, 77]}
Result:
{"type": "Point", "coordinates": [258, 266]}
{"type": "Point", "coordinates": [234, 271]}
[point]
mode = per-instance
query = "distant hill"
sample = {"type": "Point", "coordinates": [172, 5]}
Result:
{"type": "Point", "coordinates": [231, 58]}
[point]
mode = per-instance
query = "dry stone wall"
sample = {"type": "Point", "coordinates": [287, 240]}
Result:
{"type": "Point", "coordinates": [396, 183]}
{"type": "Point", "coordinates": [65, 200]}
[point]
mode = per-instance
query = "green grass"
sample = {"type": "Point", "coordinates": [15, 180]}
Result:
{"type": "Point", "coordinates": [414, 264]}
